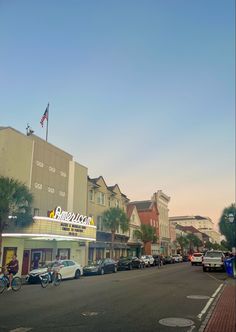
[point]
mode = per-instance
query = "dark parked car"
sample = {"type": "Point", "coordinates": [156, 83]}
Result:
{"type": "Point", "coordinates": [100, 266]}
{"type": "Point", "coordinates": [129, 263]}
{"type": "Point", "coordinates": [185, 258]}
{"type": "Point", "coordinates": [168, 260]}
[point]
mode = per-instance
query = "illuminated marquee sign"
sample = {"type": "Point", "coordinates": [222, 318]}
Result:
{"type": "Point", "coordinates": [77, 218]}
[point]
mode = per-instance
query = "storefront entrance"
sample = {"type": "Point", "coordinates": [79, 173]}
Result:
{"type": "Point", "coordinates": [8, 252]}
{"type": "Point", "coordinates": [25, 262]}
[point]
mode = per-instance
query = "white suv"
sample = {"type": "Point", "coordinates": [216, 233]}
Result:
{"type": "Point", "coordinates": [177, 258]}
{"type": "Point", "coordinates": [196, 258]}
{"type": "Point", "coordinates": [148, 260]}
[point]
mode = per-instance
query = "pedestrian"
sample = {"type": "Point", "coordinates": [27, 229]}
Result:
{"type": "Point", "coordinates": [12, 267]}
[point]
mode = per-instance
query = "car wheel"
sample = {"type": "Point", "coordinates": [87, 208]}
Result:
{"type": "Point", "coordinates": [102, 271]}
{"type": "Point", "coordinates": [130, 267]}
{"type": "Point", "coordinates": [192, 264]}
{"type": "Point", "coordinates": [204, 269]}
{"type": "Point", "coordinates": [115, 269]}
{"type": "Point", "coordinates": [77, 274]}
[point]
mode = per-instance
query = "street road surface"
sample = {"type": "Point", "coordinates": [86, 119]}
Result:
{"type": "Point", "coordinates": [124, 301]}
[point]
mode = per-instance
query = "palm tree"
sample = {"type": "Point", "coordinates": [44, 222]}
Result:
{"type": "Point", "coordinates": [113, 219]}
{"type": "Point", "coordinates": [183, 242]}
{"type": "Point", "coordinates": [146, 234]}
{"type": "Point", "coordinates": [15, 201]}
{"type": "Point", "coordinates": [194, 241]}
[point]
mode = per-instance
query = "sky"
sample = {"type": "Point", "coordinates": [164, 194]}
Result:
{"type": "Point", "coordinates": [140, 92]}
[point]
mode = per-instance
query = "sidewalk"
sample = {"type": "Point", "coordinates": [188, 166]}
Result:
{"type": "Point", "coordinates": [223, 318]}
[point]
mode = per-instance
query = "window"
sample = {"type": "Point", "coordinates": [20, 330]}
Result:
{"type": "Point", "coordinates": [91, 195]}
{"type": "Point", "coordinates": [101, 198]}
{"type": "Point", "coordinates": [38, 186]}
{"type": "Point", "coordinates": [70, 263]}
{"type": "Point", "coordinates": [39, 163]}
{"type": "Point", "coordinates": [99, 223]}
{"type": "Point", "coordinates": [52, 169]}
{"type": "Point", "coordinates": [64, 253]}
{"type": "Point", "coordinates": [117, 203]}
{"type": "Point", "coordinates": [109, 201]}
{"type": "Point", "coordinates": [36, 212]}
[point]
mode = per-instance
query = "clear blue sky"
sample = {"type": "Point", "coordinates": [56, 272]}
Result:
{"type": "Point", "coordinates": [140, 92]}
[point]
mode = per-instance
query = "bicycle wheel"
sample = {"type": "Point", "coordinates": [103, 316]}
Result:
{"type": "Point", "coordinates": [44, 280]}
{"type": "Point", "coordinates": [2, 285]}
{"type": "Point", "coordinates": [57, 279]}
{"type": "Point", "coordinates": [16, 284]}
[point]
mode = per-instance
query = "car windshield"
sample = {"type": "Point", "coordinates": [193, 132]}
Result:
{"type": "Point", "coordinates": [93, 263]}
{"type": "Point", "coordinates": [213, 254]}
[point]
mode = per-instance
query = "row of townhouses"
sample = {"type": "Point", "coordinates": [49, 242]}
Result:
{"type": "Point", "coordinates": [68, 207]}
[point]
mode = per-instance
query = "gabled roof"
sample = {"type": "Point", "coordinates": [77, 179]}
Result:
{"type": "Point", "coordinates": [130, 209]}
{"type": "Point", "coordinates": [94, 181]}
{"type": "Point", "coordinates": [143, 205]}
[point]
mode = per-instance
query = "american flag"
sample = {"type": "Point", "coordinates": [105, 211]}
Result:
{"type": "Point", "coordinates": [45, 116]}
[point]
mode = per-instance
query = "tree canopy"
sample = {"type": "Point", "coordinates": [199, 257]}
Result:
{"type": "Point", "coordinates": [183, 242]}
{"type": "Point", "coordinates": [226, 227]}
{"type": "Point", "coordinates": [114, 219]}
{"type": "Point", "coordinates": [146, 234]}
{"type": "Point", "coordinates": [15, 202]}
{"type": "Point", "coordinates": [194, 241]}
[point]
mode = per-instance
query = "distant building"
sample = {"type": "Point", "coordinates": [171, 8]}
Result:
{"type": "Point", "coordinates": [203, 224]}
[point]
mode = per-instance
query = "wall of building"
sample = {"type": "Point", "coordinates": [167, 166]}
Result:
{"type": "Point", "coordinates": [15, 155]}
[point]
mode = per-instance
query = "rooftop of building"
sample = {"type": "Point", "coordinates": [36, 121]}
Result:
{"type": "Point", "coordinates": [197, 217]}
{"type": "Point", "coordinates": [143, 205]}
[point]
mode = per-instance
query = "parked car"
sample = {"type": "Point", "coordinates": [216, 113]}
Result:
{"type": "Point", "coordinates": [129, 263]}
{"type": "Point", "coordinates": [178, 258]}
{"type": "Point", "coordinates": [168, 260]}
{"type": "Point", "coordinates": [148, 259]}
{"type": "Point", "coordinates": [197, 258]}
{"type": "Point", "coordinates": [213, 260]}
{"type": "Point", "coordinates": [68, 269]}
{"type": "Point", "coordinates": [100, 266]}
{"type": "Point", "coordinates": [185, 258]}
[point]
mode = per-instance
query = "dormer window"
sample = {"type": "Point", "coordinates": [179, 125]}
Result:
{"type": "Point", "coordinates": [100, 198]}
{"type": "Point", "coordinates": [91, 195]}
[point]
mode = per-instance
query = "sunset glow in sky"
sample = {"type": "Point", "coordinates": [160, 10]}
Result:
{"type": "Point", "coordinates": [140, 92]}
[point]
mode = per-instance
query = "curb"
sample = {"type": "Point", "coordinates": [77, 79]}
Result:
{"type": "Point", "coordinates": [210, 312]}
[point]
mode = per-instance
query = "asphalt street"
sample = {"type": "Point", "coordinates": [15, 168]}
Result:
{"type": "Point", "coordinates": [129, 301]}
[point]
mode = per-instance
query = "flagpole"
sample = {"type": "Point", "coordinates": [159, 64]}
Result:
{"type": "Point", "coordinates": [47, 125]}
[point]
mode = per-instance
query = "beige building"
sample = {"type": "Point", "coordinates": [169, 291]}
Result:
{"type": "Point", "coordinates": [203, 224]}
{"type": "Point", "coordinates": [56, 182]}
{"type": "Point", "coordinates": [100, 198]}
{"type": "Point", "coordinates": [135, 245]}
{"type": "Point", "coordinates": [162, 201]}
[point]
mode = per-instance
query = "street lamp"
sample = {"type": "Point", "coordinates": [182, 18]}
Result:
{"type": "Point", "coordinates": [232, 219]}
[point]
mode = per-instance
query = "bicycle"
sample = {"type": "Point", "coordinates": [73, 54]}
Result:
{"type": "Point", "coordinates": [50, 277]}
{"type": "Point", "coordinates": [5, 282]}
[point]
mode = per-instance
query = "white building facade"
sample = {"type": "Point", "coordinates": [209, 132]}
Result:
{"type": "Point", "coordinates": [162, 201]}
